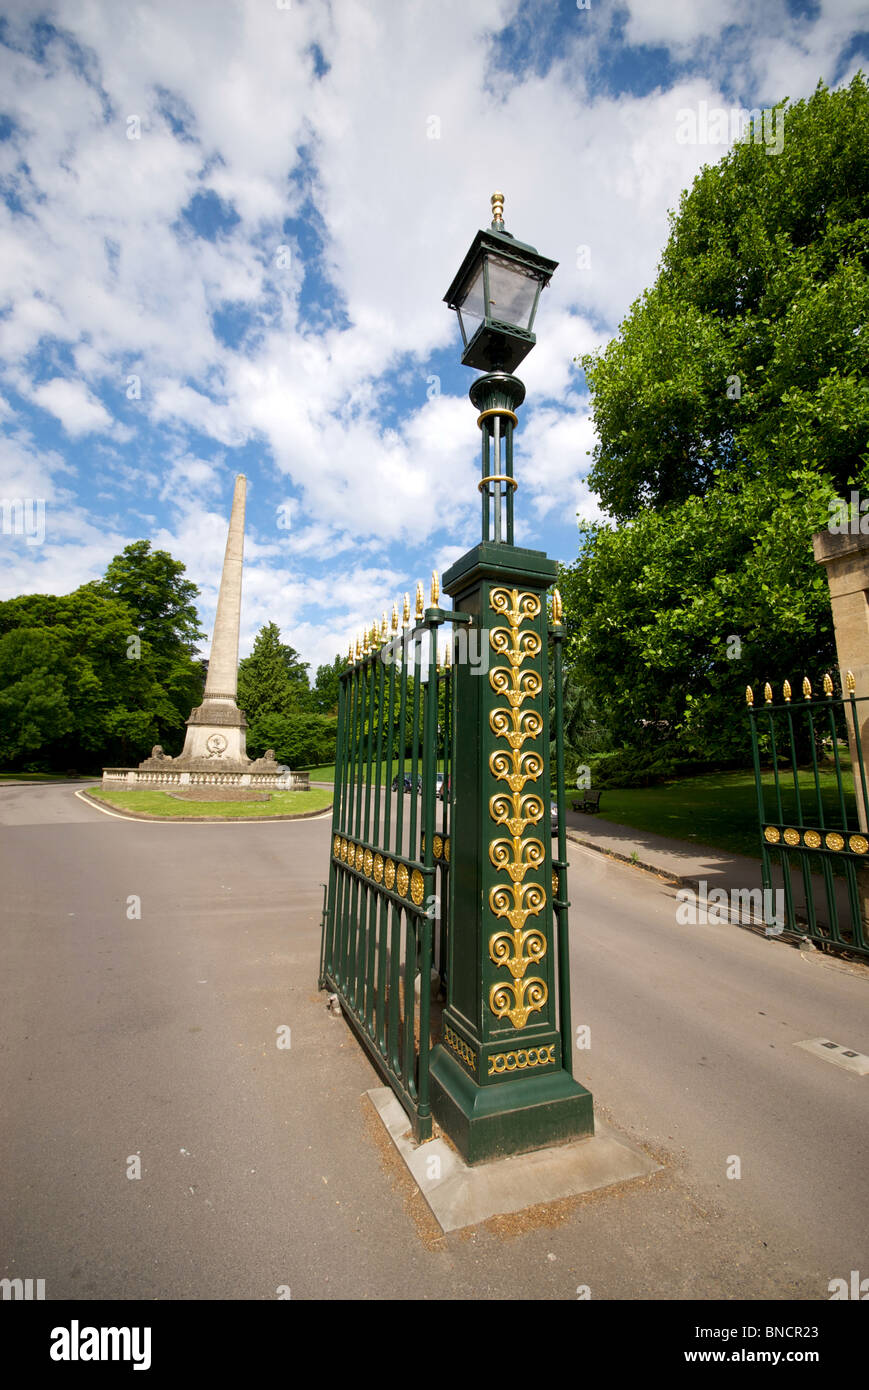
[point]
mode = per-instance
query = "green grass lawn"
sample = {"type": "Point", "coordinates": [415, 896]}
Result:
{"type": "Point", "coordinates": [720, 809]}
{"type": "Point", "coordinates": [156, 803]}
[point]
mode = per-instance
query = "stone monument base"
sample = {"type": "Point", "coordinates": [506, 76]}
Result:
{"type": "Point", "coordinates": [170, 775]}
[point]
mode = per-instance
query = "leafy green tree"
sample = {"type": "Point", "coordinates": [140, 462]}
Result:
{"type": "Point", "coordinates": [34, 709]}
{"type": "Point", "coordinates": [299, 739]}
{"type": "Point", "coordinates": [152, 585]}
{"type": "Point", "coordinates": [670, 616]}
{"type": "Point", "coordinates": [273, 679]}
{"type": "Point", "coordinates": [73, 687]}
{"type": "Point", "coordinates": [324, 696]}
{"type": "Point", "coordinates": [750, 351]}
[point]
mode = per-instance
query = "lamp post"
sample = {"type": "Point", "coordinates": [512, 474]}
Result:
{"type": "Point", "coordinates": [501, 1078]}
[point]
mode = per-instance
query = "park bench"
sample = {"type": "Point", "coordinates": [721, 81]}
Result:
{"type": "Point", "coordinates": [589, 802]}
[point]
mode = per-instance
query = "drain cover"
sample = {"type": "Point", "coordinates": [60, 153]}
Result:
{"type": "Point", "coordinates": [837, 1054]}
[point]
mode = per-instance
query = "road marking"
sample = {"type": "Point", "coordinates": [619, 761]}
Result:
{"type": "Point", "coordinates": [837, 1054]}
{"type": "Point", "coordinates": [169, 820]}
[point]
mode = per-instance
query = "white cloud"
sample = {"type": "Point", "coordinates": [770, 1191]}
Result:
{"type": "Point", "coordinates": [74, 406]}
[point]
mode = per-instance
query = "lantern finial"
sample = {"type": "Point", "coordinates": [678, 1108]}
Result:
{"type": "Point", "coordinates": [497, 212]}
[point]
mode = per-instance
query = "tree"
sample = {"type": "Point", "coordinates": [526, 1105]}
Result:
{"type": "Point", "coordinates": [750, 351]}
{"type": "Point", "coordinates": [272, 680]}
{"type": "Point", "coordinates": [34, 709]}
{"type": "Point", "coordinates": [162, 602]}
{"type": "Point", "coordinates": [324, 696]}
{"type": "Point", "coordinates": [101, 674]}
{"type": "Point", "coordinates": [299, 738]}
{"type": "Point", "coordinates": [72, 687]}
{"type": "Point", "coordinates": [671, 615]}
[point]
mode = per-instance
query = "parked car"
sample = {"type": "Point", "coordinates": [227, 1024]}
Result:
{"type": "Point", "coordinates": [443, 785]}
{"type": "Point", "coordinates": [553, 816]}
{"type": "Point", "coordinates": [407, 780]}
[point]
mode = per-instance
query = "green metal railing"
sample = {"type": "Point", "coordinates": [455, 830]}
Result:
{"type": "Point", "coordinates": [384, 920]}
{"type": "Point", "coordinates": [810, 824]}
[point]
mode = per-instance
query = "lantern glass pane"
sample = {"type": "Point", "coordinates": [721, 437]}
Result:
{"type": "Point", "coordinates": [512, 290]}
{"type": "Point", "coordinates": [472, 305]}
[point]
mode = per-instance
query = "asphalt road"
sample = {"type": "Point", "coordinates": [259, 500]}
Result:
{"type": "Point", "coordinates": [154, 1037]}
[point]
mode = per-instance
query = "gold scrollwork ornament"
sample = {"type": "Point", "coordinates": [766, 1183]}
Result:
{"type": "Point", "coordinates": [517, 999]}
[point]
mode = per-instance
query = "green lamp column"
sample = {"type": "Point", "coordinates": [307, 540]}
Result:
{"type": "Point", "coordinates": [501, 1082]}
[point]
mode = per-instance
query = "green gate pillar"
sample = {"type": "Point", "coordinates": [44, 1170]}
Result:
{"type": "Point", "coordinates": [500, 1081]}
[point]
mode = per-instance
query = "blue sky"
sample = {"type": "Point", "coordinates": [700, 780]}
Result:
{"type": "Point", "coordinates": [225, 235]}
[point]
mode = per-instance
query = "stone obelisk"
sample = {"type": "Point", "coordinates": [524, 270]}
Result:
{"type": "Point", "coordinates": [215, 739]}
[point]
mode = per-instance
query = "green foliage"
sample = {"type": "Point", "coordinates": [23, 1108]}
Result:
{"type": "Point", "coordinates": [764, 284]}
{"type": "Point", "coordinates": [324, 696]}
{"type": "Point", "coordinates": [299, 739]}
{"type": "Point", "coordinates": [151, 585]}
{"type": "Point", "coordinates": [652, 608]}
{"type": "Point", "coordinates": [642, 767]}
{"type": "Point", "coordinates": [74, 688]}
{"type": "Point", "coordinates": [34, 709]}
{"type": "Point", "coordinates": [732, 407]}
{"type": "Point", "coordinates": [272, 680]}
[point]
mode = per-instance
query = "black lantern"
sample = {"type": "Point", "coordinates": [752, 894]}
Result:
{"type": "Point", "coordinates": [496, 293]}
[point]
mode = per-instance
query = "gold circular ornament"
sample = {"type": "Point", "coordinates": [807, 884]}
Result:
{"type": "Point", "coordinates": [402, 878]}
{"type": "Point", "coordinates": [369, 862]}
{"type": "Point", "coordinates": [771, 835]}
{"type": "Point", "coordinates": [858, 844]}
{"type": "Point", "coordinates": [834, 841]}
{"type": "Point", "coordinates": [336, 846]}
{"type": "Point", "coordinates": [812, 839]}
{"type": "Point", "coordinates": [345, 851]}
{"type": "Point", "coordinates": [417, 887]}
{"type": "Point", "coordinates": [792, 837]}
{"type": "Point", "coordinates": [437, 845]}
{"type": "Point", "coordinates": [447, 849]}
{"type": "Point", "coordinates": [378, 868]}
{"type": "Point", "coordinates": [389, 874]}
{"type": "Point", "coordinates": [554, 883]}
{"type": "Point", "coordinates": [360, 858]}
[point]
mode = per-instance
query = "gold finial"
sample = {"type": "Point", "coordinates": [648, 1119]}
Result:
{"type": "Point", "coordinates": [435, 589]}
{"type": "Point", "coordinates": [786, 691]}
{"type": "Point", "coordinates": [350, 655]}
{"type": "Point", "coordinates": [384, 629]}
{"type": "Point", "coordinates": [497, 212]}
{"type": "Point", "coordinates": [420, 610]}
{"type": "Point", "coordinates": [767, 693]}
{"type": "Point", "coordinates": [749, 695]}
{"type": "Point", "coordinates": [394, 618]}
{"type": "Point", "coordinates": [375, 636]}
{"type": "Point", "coordinates": [557, 610]}
{"type": "Point", "coordinates": [358, 649]}
{"type": "Point", "coordinates": [851, 683]}
{"type": "Point", "coordinates": [365, 642]}
{"type": "Point", "coordinates": [448, 656]}
{"type": "Point", "coordinates": [405, 612]}
{"type": "Point", "coordinates": [807, 688]}
{"type": "Point", "coordinates": [828, 684]}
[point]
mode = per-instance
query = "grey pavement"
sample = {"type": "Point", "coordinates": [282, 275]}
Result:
{"type": "Point", "coordinates": [155, 1037]}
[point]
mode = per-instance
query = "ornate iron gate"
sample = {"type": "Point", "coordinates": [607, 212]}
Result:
{"type": "Point", "coordinates": [386, 916]}
{"type": "Point", "coordinates": [813, 824]}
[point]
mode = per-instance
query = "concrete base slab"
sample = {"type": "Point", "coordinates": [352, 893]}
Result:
{"type": "Point", "coordinates": [460, 1195]}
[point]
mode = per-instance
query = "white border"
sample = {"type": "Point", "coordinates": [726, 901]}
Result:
{"type": "Point", "coordinates": [171, 820]}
